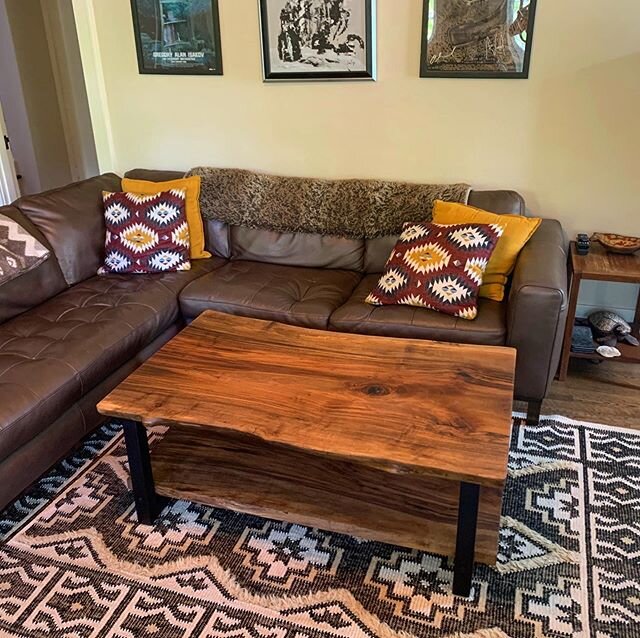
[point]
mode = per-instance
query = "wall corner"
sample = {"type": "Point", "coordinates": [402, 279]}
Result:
{"type": "Point", "coordinates": [92, 68]}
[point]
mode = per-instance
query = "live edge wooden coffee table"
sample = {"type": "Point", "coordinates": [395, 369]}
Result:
{"type": "Point", "coordinates": [397, 440]}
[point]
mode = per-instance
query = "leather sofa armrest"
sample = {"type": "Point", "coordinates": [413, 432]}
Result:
{"type": "Point", "coordinates": [537, 310]}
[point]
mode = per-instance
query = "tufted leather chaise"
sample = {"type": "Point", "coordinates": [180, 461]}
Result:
{"type": "Point", "coordinates": [67, 336]}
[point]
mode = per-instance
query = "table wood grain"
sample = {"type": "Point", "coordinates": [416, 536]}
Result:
{"type": "Point", "coordinates": [401, 406]}
{"type": "Point", "coordinates": [601, 265]}
{"type": "Point", "coordinates": [235, 472]}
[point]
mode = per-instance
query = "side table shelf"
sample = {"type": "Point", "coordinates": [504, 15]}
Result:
{"type": "Point", "coordinates": [599, 265]}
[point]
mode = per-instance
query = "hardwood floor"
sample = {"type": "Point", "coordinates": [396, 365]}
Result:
{"type": "Point", "coordinates": [602, 393]}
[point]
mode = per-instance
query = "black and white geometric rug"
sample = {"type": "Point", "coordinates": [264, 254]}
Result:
{"type": "Point", "coordinates": [74, 562]}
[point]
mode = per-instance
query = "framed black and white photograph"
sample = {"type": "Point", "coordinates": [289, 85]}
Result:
{"type": "Point", "coordinates": [318, 39]}
{"type": "Point", "coordinates": [177, 37]}
{"type": "Point", "coordinates": [480, 39]}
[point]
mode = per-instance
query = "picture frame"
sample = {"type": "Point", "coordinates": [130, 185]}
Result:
{"type": "Point", "coordinates": [488, 39]}
{"type": "Point", "coordinates": [318, 40]}
{"type": "Point", "coordinates": [177, 37]}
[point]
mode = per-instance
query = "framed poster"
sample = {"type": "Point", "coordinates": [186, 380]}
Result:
{"type": "Point", "coordinates": [318, 39]}
{"type": "Point", "coordinates": [177, 37]}
{"type": "Point", "coordinates": [481, 39]}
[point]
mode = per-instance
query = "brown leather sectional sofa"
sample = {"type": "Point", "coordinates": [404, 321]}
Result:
{"type": "Point", "coordinates": [67, 336]}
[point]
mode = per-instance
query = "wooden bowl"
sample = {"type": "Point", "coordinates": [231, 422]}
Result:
{"type": "Point", "coordinates": [619, 244]}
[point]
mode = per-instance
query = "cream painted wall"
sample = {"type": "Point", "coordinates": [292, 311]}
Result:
{"type": "Point", "coordinates": [568, 138]}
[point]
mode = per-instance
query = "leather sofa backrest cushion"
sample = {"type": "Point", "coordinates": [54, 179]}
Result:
{"type": "Point", "coordinates": [153, 176]}
{"type": "Point", "coordinates": [72, 220]}
{"type": "Point", "coordinates": [502, 202]}
{"type": "Point", "coordinates": [308, 250]}
{"type": "Point", "coordinates": [377, 252]}
{"type": "Point", "coordinates": [217, 238]}
{"type": "Point", "coordinates": [35, 286]}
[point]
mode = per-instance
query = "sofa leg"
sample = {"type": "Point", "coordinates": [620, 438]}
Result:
{"type": "Point", "coordinates": [533, 412]}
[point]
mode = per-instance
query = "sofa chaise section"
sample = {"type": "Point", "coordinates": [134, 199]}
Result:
{"type": "Point", "coordinates": [70, 336]}
{"type": "Point", "coordinates": [55, 354]}
{"type": "Point", "coordinates": [56, 438]}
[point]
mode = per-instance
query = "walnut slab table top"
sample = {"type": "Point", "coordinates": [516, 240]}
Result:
{"type": "Point", "coordinates": [403, 405]}
{"type": "Point", "coordinates": [359, 434]}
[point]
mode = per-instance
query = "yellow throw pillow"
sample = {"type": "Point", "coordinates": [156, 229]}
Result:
{"type": "Point", "coordinates": [517, 231]}
{"type": "Point", "coordinates": [194, 219]}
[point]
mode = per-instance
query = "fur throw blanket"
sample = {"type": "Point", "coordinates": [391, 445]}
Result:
{"type": "Point", "coordinates": [347, 208]}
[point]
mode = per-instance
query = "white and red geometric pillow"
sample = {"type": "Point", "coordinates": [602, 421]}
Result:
{"type": "Point", "coordinates": [145, 233]}
{"type": "Point", "coordinates": [438, 267]}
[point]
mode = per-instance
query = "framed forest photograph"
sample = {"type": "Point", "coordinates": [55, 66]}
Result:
{"type": "Point", "coordinates": [318, 39]}
{"type": "Point", "coordinates": [480, 39]}
{"type": "Point", "coordinates": [177, 37]}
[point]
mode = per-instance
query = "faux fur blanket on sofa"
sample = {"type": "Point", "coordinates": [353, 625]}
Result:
{"type": "Point", "coordinates": [349, 208]}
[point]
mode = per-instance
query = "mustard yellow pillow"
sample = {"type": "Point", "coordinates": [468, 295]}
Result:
{"type": "Point", "coordinates": [194, 219]}
{"type": "Point", "coordinates": [517, 231]}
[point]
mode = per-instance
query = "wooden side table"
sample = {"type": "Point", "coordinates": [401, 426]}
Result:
{"type": "Point", "coordinates": [599, 265]}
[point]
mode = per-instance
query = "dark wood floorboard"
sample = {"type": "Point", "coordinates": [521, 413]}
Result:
{"type": "Point", "coordinates": [601, 393]}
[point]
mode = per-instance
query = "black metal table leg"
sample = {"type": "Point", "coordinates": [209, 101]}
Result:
{"type": "Point", "coordinates": [534, 408]}
{"type": "Point", "coordinates": [466, 538]}
{"type": "Point", "coordinates": [144, 492]}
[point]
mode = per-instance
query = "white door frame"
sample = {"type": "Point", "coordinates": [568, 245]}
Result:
{"type": "Point", "coordinates": [9, 189]}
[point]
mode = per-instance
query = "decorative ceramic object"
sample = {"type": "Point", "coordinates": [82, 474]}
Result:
{"type": "Point", "coordinates": [620, 244]}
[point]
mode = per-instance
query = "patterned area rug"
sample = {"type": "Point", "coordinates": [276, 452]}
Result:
{"type": "Point", "coordinates": [74, 562]}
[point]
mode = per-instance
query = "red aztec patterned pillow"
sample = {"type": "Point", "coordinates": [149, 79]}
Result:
{"type": "Point", "coordinates": [146, 233]}
{"type": "Point", "coordinates": [439, 267]}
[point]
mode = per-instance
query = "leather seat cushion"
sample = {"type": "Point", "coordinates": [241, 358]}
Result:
{"type": "Point", "coordinates": [489, 328]}
{"type": "Point", "coordinates": [54, 354]}
{"type": "Point", "coordinates": [297, 296]}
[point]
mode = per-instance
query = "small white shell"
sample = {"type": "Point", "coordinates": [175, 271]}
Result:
{"type": "Point", "coordinates": [609, 352]}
